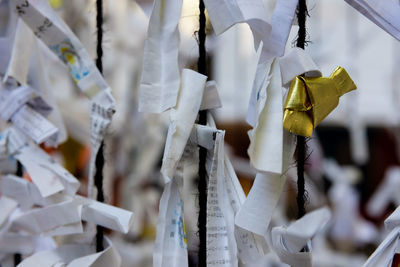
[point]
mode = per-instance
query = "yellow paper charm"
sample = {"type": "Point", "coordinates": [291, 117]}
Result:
{"type": "Point", "coordinates": [311, 99]}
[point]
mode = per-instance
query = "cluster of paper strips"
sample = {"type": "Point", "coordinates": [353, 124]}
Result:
{"type": "Point", "coordinates": [45, 215]}
{"type": "Point", "coordinates": [46, 205]}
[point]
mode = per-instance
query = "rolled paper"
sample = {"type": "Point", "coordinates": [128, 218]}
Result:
{"type": "Point", "coordinates": [311, 99]}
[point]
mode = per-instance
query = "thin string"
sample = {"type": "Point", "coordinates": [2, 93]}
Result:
{"type": "Point", "coordinates": [99, 163]}
{"type": "Point", "coordinates": [202, 184]}
{"type": "Point", "coordinates": [301, 142]}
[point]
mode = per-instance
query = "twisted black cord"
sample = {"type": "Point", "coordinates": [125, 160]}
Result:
{"type": "Point", "coordinates": [99, 163]}
{"type": "Point", "coordinates": [301, 142]}
{"type": "Point", "coordinates": [202, 184]}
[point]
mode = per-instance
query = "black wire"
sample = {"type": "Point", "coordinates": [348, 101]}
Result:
{"type": "Point", "coordinates": [99, 163]}
{"type": "Point", "coordinates": [301, 143]}
{"type": "Point", "coordinates": [202, 184]}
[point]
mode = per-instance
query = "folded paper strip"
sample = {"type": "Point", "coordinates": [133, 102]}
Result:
{"type": "Point", "coordinates": [311, 99]}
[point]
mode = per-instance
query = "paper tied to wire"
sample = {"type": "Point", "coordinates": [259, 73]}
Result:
{"type": "Point", "coordinates": [272, 47]}
{"type": "Point", "coordinates": [311, 99]}
{"type": "Point", "coordinates": [384, 14]}
{"type": "Point", "coordinates": [271, 148]}
{"type": "Point", "coordinates": [226, 243]}
{"type": "Point", "coordinates": [170, 245]}
{"type": "Point", "coordinates": [48, 27]}
{"type": "Point", "coordinates": [293, 244]}
{"type": "Point", "coordinates": [383, 255]}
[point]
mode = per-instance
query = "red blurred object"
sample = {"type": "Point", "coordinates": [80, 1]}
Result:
{"type": "Point", "coordinates": [396, 260]}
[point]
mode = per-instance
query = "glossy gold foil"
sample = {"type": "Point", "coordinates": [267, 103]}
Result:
{"type": "Point", "coordinates": [311, 99]}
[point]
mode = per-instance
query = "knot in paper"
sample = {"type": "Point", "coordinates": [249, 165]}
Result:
{"type": "Point", "coordinates": [311, 99]}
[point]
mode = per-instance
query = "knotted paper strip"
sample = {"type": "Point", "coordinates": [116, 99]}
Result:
{"type": "Point", "coordinates": [310, 100]}
{"type": "Point", "coordinates": [288, 242]}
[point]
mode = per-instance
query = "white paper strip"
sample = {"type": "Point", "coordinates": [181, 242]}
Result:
{"type": "Point", "coordinates": [47, 182]}
{"type": "Point", "coordinates": [383, 255]}
{"type": "Point", "coordinates": [211, 97]}
{"type": "Point", "coordinates": [17, 243]}
{"type": "Point", "coordinates": [221, 243]}
{"type": "Point", "coordinates": [281, 22]}
{"type": "Point", "coordinates": [90, 210]}
{"type": "Point", "coordinates": [288, 242]}
{"type": "Point", "coordinates": [182, 119]}
{"type": "Point", "coordinates": [274, 46]}
{"type": "Point", "coordinates": [385, 14]}
{"type": "Point", "coordinates": [48, 218]}
{"type": "Point", "coordinates": [75, 256]}
{"type": "Point", "coordinates": [18, 65]}
{"type": "Point", "coordinates": [33, 124]}
{"type": "Point", "coordinates": [170, 247]}
{"type": "Point", "coordinates": [7, 205]}
{"type": "Point", "coordinates": [106, 215]}
{"type": "Point", "coordinates": [12, 100]}
{"type": "Point", "coordinates": [159, 84]}
{"type": "Point", "coordinates": [266, 138]}
{"type": "Point", "coordinates": [297, 62]}
{"type": "Point", "coordinates": [256, 212]}
{"type": "Point", "coordinates": [250, 247]}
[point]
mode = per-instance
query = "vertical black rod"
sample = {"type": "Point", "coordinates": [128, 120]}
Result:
{"type": "Point", "coordinates": [17, 259]}
{"type": "Point", "coordinates": [19, 172]}
{"type": "Point", "coordinates": [301, 142]}
{"type": "Point", "coordinates": [98, 176]}
{"type": "Point", "coordinates": [202, 184]}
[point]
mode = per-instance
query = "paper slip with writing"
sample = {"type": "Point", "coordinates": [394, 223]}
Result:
{"type": "Point", "coordinates": [221, 243]}
{"type": "Point", "coordinates": [33, 124]}
{"type": "Point", "coordinates": [22, 105]}
{"type": "Point", "coordinates": [225, 241]}
{"type": "Point", "coordinates": [170, 246]}
{"type": "Point", "coordinates": [160, 80]}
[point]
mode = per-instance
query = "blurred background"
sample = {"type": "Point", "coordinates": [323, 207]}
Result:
{"type": "Point", "coordinates": [353, 162]}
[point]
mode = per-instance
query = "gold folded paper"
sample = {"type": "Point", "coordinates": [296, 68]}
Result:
{"type": "Point", "coordinates": [311, 99]}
